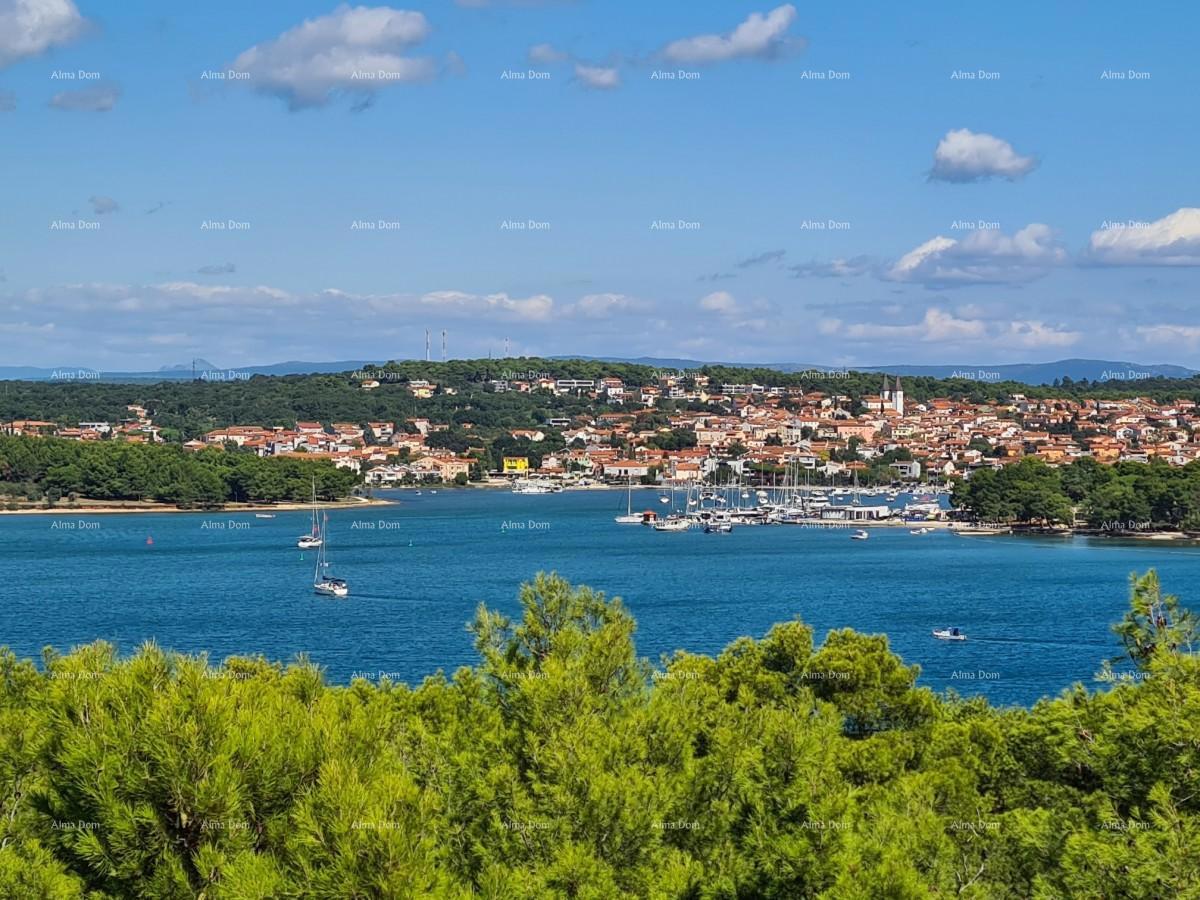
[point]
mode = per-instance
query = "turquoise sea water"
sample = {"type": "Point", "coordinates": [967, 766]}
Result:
{"type": "Point", "coordinates": [1037, 610]}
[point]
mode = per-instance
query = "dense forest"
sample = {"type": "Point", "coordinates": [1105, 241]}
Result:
{"type": "Point", "coordinates": [1126, 496]}
{"type": "Point", "coordinates": [186, 409]}
{"type": "Point", "coordinates": [563, 765]}
{"type": "Point", "coordinates": [53, 470]}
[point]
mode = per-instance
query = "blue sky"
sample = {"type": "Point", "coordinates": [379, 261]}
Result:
{"type": "Point", "coordinates": [1085, 186]}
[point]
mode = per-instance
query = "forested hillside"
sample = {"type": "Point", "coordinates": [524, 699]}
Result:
{"type": "Point", "coordinates": [562, 765]}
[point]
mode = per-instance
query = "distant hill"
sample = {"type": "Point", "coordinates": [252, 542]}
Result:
{"type": "Point", "coordinates": [182, 372]}
{"type": "Point", "coordinates": [1026, 373]}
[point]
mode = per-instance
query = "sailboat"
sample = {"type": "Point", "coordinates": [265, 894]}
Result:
{"type": "Point", "coordinates": [324, 583]}
{"type": "Point", "coordinates": [630, 517]}
{"type": "Point", "coordinates": [313, 538]}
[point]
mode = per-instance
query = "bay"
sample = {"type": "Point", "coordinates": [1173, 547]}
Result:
{"type": "Point", "coordinates": [1037, 610]}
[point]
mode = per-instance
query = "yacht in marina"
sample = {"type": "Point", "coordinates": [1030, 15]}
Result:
{"type": "Point", "coordinates": [533, 486]}
{"type": "Point", "coordinates": [673, 523]}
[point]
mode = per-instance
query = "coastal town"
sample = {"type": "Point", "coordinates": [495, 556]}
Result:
{"type": "Point", "coordinates": [712, 431]}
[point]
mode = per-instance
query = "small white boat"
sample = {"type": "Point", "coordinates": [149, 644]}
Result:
{"type": "Point", "coordinates": [664, 499]}
{"type": "Point", "coordinates": [532, 486]}
{"type": "Point", "coordinates": [672, 525]}
{"type": "Point", "coordinates": [331, 587]}
{"type": "Point", "coordinates": [919, 530]}
{"type": "Point", "coordinates": [949, 634]}
{"type": "Point", "coordinates": [859, 535]}
{"type": "Point", "coordinates": [629, 517]}
{"type": "Point", "coordinates": [312, 540]}
{"type": "Point", "coordinates": [718, 528]}
{"type": "Point", "coordinates": [264, 515]}
{"type": "Point", "coordinates": [324, 583]}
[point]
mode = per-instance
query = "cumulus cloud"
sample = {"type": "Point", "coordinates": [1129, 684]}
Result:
{"type": "Point", "coordinates": [759, 259]}
{"type": "Point", "coordinates": [721, 302]}
{"type": "Point", "coordinates": [984, 257]}
{"type": "Point", "coordinates": [964, 155]}
{"type": "Point", "coordinates": [102, 206]}
{"type": "Point", "coordinates": [351, 50]}
{"type": "Point", "coordinates": [31, 27]}
{"type": "Point", "coordinates": [758, 37]}
{"type": "Point", "coordinates": [95, 98]}
{"type": "Point", "coordinates": [1033, 334]}
{"type": "Point", "coordinates": [1173, 240]}
{"type": "Point", "coordinates": [834, 268]}
{"type": "Point", "coordinates": [601, 78]}
{"type": "Point", "coordinates": [936, 326]}
{"type": "Point", "coordinates": [546, 54]}
{"type": "Point", "coordinates": [1170, 334]}
{"type": "Point", "coordinates": [535, 308]}
{"type": "Point", "coordinates": [599, 306]}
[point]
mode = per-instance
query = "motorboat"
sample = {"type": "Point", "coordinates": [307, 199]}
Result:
{"type": "Point", "coordinates": [859, 535]}
{"type": "Point", "coordinates": [673, 524]}
{"type": "Point", "coordinates": [532, 486]}
{"type": "Point", "coordinates": [919, 530]}
{"type": "Point", "coordinates": [718, 528]}
{"type": "Point", "coordinates": [264, 515]}
{"type": "Point", "coordinates": [949, 634]}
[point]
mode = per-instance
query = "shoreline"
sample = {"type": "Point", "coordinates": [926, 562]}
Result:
{"type": "Point", "coordinates": [116, 507]}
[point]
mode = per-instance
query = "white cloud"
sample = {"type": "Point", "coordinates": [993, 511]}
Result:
{"type": "Point", "coordinates": [758, 37]}
{"type": "Point", "coordinates": [546, 53]}
{"type": "Point", "coordinates": [936, 326]}
{"type": "Point", "coordinates": [721, 302]}
{"type": "Point", "coordinates": [1170, 334]}
{"type": "Point", "coordinates": [1033, 334]}
{"type": "Point", "coordinates": [535, 308]}
{"type": "Point", "coordinates": [834, 268]}
{"type": "Point", "coordinates": [97, 98]}
{"type": "Point", "coordinates": [603, 78]}
{"type": "Point", "coordinates": [965, 155]}
{"type": "Point", "coordinates": [983, 257]}
{"type": "Point", "coordinates": [598, 306]}
{"type": "Point", "coordinates": [353, 49]}
{"type": "Point", "coordinates": [31, 27]}
{"type": "Point", "coordinates": [102, 206]}
{"type": "Point", "coordinates": [1173, 240]}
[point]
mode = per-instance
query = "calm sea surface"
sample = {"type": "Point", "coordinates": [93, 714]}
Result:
{"type": "Point", "coordinates": [1036, 610]}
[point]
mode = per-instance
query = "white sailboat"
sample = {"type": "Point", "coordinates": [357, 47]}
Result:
{"type": "Point", "coordinates": [630, 517]}
{"type": "Point", "coordinates": [323, 582]}
{"type": "Point", "coordinates": [312, 540]}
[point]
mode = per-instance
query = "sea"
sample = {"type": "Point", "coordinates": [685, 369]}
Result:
{"type": "Point", "coordinates": [1037, 611]}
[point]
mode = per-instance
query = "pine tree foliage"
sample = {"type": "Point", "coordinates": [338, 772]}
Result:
{"type": "Point", "coordinates": [563, 765]}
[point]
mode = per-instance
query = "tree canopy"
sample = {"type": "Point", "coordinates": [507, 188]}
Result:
{"type": "Point", "coordinates": [563, 765]}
